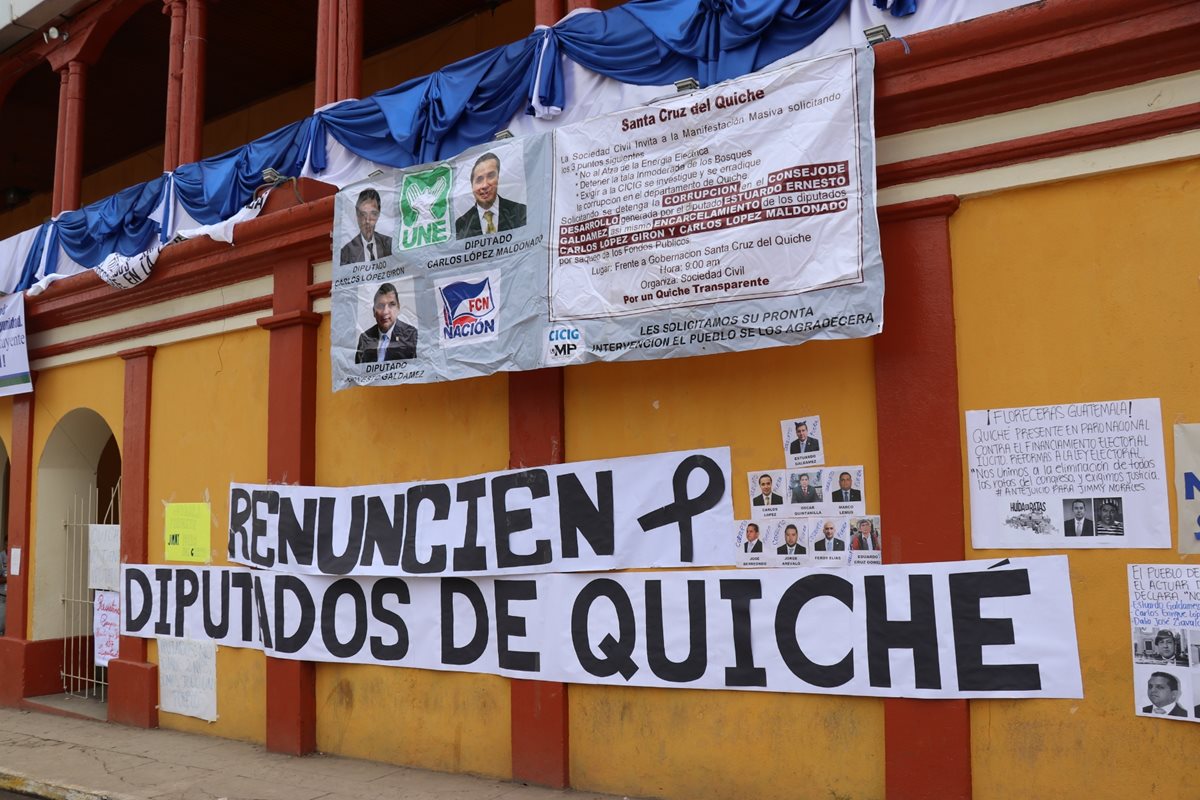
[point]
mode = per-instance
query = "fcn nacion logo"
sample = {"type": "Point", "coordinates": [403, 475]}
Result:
{"type": "Point", "coordinates": [469, 309]}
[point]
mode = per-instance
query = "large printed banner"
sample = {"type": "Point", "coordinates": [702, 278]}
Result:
{"type": "Point", "coordinates": [661, 510]}
{"type": "Point", "coordinates": [1074, 475]}
{"type": "Point", "coordinates": [947, 630]}
{"type": "Point", "coordinates": [14, 353]}
{"type": "Point", "coordinates": [734, 218]}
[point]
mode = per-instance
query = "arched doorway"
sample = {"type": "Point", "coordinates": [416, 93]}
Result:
{"type": "Point", "coordinates": [78, 485]}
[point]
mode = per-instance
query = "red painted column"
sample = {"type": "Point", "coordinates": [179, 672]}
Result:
{"type": "Point", "coordinates": [927, 742]}
{"type": "Point", "coordinates": [60, 146]}
{"type": "Point", "coordinates": [177, 11]}
{"type": "Point", "coordinates": [291, 458]}
{"type": "Point", "coordinates": [132, 680]}
{"type": "Point", "coordinates": [574, 4]}
{"type": "Point", "coordinates": [191, 112]}
{"type": "Point", "coordinates": [349, 49]}
{"type": "Point", "coordinates": [27, 668]}
{"type": "Point", "coordinates": [540, 722]}
{"type": "Point", "coordinates": [325, 82]}
{"type": "Point", "coordinates": [72, 163]}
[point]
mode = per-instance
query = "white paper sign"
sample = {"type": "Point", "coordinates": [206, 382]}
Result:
{"type": "Point", "coordinates": [104, 557]}
{"type": "Point", "coordinates": [945, 630]}
{"type": "Point", "coordinates": [1164, 614]}
{"type": "Point", "coordinates": [803, 441]}
{"type": "Point", "coordinates": [187, 678]}
{"type": "Point", "coordinates": [14, 561]}
{"type": "Point", "coordinates": [14, 354]}
{"type": "Point", "coordinates": [1076, 475]}
{"type": "Point", "coordinates": [1187, 486]}
{"type": "Point", "coordinates": [106, 627]}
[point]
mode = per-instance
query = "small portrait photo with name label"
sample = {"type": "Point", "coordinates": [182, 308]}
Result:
{"type": "Point", "coordinates": [366, 230]}
{"type": "Point", "coordinates": [767, 489]}
{"type": "Point", "coordinates": [802, 441]}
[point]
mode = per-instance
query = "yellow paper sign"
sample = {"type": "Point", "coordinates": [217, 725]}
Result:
{"type": "Point", "coordinates": [188, 532]}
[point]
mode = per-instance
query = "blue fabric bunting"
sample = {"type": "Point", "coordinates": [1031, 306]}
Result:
{"type": "Point", "coordinates": [646, 42]}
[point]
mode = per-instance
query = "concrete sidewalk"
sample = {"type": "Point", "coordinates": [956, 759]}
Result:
{"type": "Point", "coordinates": [75, 759]}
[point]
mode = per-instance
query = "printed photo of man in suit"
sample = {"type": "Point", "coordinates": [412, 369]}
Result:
{"type": "Point", "coordinates": [865, 537]}
{"type": "Point", "coordinates": [368, 245]}
{"type": "Point", "coordinates": [766, 496]}
{"type": "Point", "coordinates": [790, 546]}
{"type": "Point", "coordinates": [490, 213]}
{"type": "Point", "coordinates": [1080, 521]}
{"type": "Point", "coordinates": [388, 339]}
{"type": "Point", "coordinates": [753, 544]}
{"type": "Point", "coordinates": [803, 443]}
{"type": "Point", "coordinates": [845, 492]}
{"type": "Point", "coordinates": [1163, 691]}
{"type": "Point", "coordinates": [830, 543]}
{"type": "Point", "coordinates": [803, 492]}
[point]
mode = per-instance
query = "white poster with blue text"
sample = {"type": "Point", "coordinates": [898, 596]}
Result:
{"type": "Point", "coordinates": [14, 355]}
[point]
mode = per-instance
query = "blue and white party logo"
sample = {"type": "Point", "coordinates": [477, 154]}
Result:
{"type": "Point", "coordinates": [470, 309]}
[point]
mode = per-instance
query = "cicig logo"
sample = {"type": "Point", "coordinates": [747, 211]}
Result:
{"type": "Point", "coordinates": [425, 208]}
{"type": "Point", "coordinates": [469, 309]}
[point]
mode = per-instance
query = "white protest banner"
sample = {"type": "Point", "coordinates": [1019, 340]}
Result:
{"type": "Point", "coordinates": [1164, 613]}
{"type": "Point", "coordinates": [106, 627]}
{"type": "Point", "coordinates": [737, 217]}
{"type": "Point", "coordinates": [14, 354]}
{"type": "Point", "coordinates": [1187, 486]}
{"type": "Point", "coordinates": [661, 510]}
{"type": "Point", "coordinates": [187, 678]}
{"type": "Point", "coordinates": [946, 630]}
{"type": "Point", "coordinates": [202, 603]}
{"type": "Point", "coordinates": [1075, 475]}
{"type": "Point", "coordinates": [104, 557]}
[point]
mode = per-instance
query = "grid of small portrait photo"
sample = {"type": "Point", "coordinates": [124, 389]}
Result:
{"type": "Point", "coordinates": [1165, 660]}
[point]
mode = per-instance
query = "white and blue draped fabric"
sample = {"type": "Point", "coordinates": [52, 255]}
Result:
{"type": "Point", "coordinates": [588, 63]}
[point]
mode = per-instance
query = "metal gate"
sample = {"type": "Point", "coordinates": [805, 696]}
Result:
{"type": "Point", "coordinates": [80, 676]}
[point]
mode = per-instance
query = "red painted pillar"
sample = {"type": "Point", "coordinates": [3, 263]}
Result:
{"type": "Point", "coordinates": [291, 458]}
{"type": "Point", "coordinates": [927, 742]}
{"type": "Point", "coordinates": [60, 146]}
{"type": "Point", "coordinates": [349, 49]}
{"type": "Point", "coordinates": [72, 163]}
{"type": "Point", "coordinates": [132, 680]}
{"type": "Point", "coordinates": [325, 82]}
{"type": "Point", "coordinates": [540, 724]}
{"type": "Point", "coordinates": [177, 10]}
{"type": "Point", "coordinates": [27, 668]}
{"type": "Point", "coordinates": [191, 112]}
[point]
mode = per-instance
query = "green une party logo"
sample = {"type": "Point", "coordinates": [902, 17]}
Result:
{"type": "Point", "coordinates": [425, 208]}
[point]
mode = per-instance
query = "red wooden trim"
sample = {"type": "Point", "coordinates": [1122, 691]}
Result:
{"type": "Point", "coordinates": [72, 164]}
{"type": "Point", "coordinates": [193, 266]}
{"type": "Point", "coordinates": [191, 107]}
{"type": "Point", "coordinates": [322, 289]}
{"type": "Point", "coordinates": [291, 458]}
{"type": "Point", "coordinates": [1028, 56]}
{"type": "Point", "coordinates": [20, 477]}
{"type": "Point", "coordinates": [133, 685]}
{"type": "Point", "coordinates": [174, 83]}
{"type": "Point", "coordinates": [548, 12]}
{"type": "Point", "coordinates": [541, 750]}
{"type": "Point", "coordinates": [916, 376]}
{"type": "Point", "coordinates": [89, 33]}
{"type": "Point", "coordinates": [157, 326]}
{"type": "Point", "coordinates": [1046, 145]}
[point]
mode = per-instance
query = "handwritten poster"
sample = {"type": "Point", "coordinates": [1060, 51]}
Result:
{"type": "Point", "coordinates": [106, 627]}
{"type": "Point", "coordinates": [1075, 475]}
{"type": "Point", "coordinates": [187, 677]}
{"type": "Point", "coordinates": [104, 557]}
{"type": "Point", "coordinates": [1164, 613]}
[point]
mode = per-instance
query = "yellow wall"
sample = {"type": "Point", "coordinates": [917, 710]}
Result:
{"type": "Point", "coordinates": [694, 744]}
{"type": "Point", "coordinates": [1083, 290]}
{"type": "Point", "coordinates": [98, 385]}
{"type": "Point", "coordinates": [448, 721]}
{"type": "Point", "coordinates": [208, 428]}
